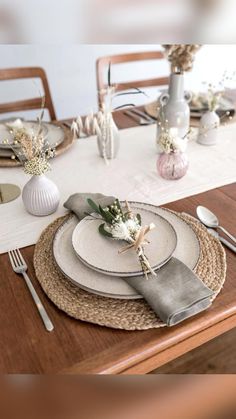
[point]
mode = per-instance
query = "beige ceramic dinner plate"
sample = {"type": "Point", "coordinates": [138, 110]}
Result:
{"type": "Point", "coordinates": [5, 133]}
{"type": "Point", "coordinates": [187, 250]}
{"type": "Point", "coordinates": [53, 133]}
{"type": "Point", "coordinates": [102, 253]}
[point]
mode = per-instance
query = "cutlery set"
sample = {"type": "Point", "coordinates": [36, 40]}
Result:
{"type": "Point", "coordinates": [209, 220]}
{"type": "Point", "coordinates": [19, 266]}
{"type": "Point", "coordinates": [140, 117]}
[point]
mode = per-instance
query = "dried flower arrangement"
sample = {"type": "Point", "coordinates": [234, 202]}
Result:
{"type": "Point", "coordinates": [31, 147]}
{"type": "Point", "coordinates": [213, 98]}
{"type": "Point", "coordinates": [181, 56]}
{"type": "Point", "coordinates": [210, 100]}
{"type": "Point", "coordinates": [96, 125]}
{"type": "Point", "coordinates": [121, 224]}
{"type": "Point", "coordinates": [215, 92]}
{"type": "Point", "coordinates": [168, 141]}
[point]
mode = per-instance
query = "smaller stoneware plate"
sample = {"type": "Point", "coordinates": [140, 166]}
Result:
{"type": "Point", "coordinates": [102, 253]}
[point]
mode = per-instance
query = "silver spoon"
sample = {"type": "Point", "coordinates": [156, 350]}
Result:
{"type": "Point", "coordinates": [210, 220]}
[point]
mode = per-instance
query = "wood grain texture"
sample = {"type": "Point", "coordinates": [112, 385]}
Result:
{"type": "Point", "coordinates": [215, 357]}
{"type": "Point", "coordinates": [77, 347]}
{"type": "Point", "coordinates": [29, 104]}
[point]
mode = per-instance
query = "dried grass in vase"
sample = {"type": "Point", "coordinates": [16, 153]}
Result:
{"type": "Point", "coordinates": [31, 148]}
{"type": "Point", "coordinates": [181, 56]}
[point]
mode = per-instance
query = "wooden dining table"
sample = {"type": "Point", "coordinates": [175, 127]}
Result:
{"type": "Point", "coordinates": [77, 347]}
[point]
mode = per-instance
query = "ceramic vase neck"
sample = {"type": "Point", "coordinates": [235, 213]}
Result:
{"type": "Point", "coordinates": [38, 178]}
{"type": "Point", "coordinates": [176, 86]}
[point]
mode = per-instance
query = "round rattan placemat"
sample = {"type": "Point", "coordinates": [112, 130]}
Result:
{"type": "Point", "coordinates": [61, 148]}
{"type": "Point", "coordinates": [115, 313]}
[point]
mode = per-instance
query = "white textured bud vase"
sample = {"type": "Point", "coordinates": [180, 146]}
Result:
{"type": "Point", "coordinates": [40, 196]}
{"type": "Point", "coordinates": [208, 129]}
{"type": "Point", "coordinates": [109, 140]}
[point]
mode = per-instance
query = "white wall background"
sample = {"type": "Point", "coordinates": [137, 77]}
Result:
{"type": "Point", "coordinates": [72, 77]}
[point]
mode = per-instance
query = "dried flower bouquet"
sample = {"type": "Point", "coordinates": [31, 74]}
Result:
{"type": "Point", "coordinates": [121, 224]}
{"type": "Point", "coordinates": [181, 56]}
{"type": "Point", "coordinates": [168, 140]}
{"type": "Point", "coordinates": [31, 147]}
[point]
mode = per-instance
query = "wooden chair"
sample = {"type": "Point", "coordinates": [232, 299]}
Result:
{"type": "Point", "coordinates": [103, 63]}
{"type": "Point", "coordinates": [28, 104]}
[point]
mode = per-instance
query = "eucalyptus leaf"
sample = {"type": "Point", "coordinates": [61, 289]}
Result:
{"type": "Point", "coordinates": [137, 91]}
{"type": "Point", "coordinates": [138, 216]}
{"type": "Point", "coordinates": [102, 231]}
{"type": "Point", "coordinates": [93, 206]}
{"type": "Point", "coordinates": [109, 75]}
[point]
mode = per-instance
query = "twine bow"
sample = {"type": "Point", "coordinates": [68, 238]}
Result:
{"type": "Point", "coordinates": [137, 245]}
{"type": "Point", "coordinates": [140, 239]}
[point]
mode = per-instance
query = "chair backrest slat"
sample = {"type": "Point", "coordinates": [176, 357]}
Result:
{"type": "Point", "coordinates": [28, 104]}
{"type": "Point", "coordinates": [103, 62]}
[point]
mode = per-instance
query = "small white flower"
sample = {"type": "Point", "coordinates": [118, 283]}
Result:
{"type": "Point", "coordinates": [165, 142]}
{"type": "Point", "coordinates": [120, 231]}
{"type": "Point", "coordinates": [132, 225]}
{"type": "Point", "coordinates": [179, 144]}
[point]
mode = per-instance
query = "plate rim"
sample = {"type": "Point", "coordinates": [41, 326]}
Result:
{"type": "Point", "coordinates": [135, 296]}
{"type": "Point", "coordinates": [47, 126]}
{"type": "Point", "coordinates": [128, 274]}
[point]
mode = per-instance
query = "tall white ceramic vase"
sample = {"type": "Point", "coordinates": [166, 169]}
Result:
{"type": "Point", "coordinates": [175, 105]}
{"type": "Point", "coordinates": [109, 140]}
{"type": "Point", "coordinates": [40, 196]}
{"type": "Point", "coordinates": [208, 129]}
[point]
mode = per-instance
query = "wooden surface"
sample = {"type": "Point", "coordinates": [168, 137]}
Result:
{"type": "Point", "coordinates": [102, 68]}
{"type": "Point", "coordinates": [77, 347]}
{"type": "Point", "coordinates": [214, 357]}
{"type": "Point", "coordinates": [29, 104]}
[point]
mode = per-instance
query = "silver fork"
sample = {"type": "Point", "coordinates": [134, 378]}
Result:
{"type": "Point", "coordinates": [19, 266]}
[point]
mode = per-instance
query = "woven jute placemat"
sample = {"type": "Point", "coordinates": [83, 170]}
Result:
{"type": "Point", "coordinates": [115, 313]}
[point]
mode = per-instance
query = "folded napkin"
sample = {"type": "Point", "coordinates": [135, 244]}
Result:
{"type": "Point", "coordinates": [175, 294]}
{"type": "Point", "coordinates": [78, 204]}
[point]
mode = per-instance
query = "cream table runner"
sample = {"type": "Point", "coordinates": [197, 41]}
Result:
{"type": "Point", "coordinates": [131, 176]}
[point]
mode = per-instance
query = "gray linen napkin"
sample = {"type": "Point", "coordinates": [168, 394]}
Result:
{"type": "Point", "coordinates": [78, 204]}
{"type": "Point", "coordinates": [175, 294]}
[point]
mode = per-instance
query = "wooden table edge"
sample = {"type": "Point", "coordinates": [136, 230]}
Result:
{"type": "Point", "coordinates": [150, 358]}
{"type": "Point", "coordinates": [181, 348]}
